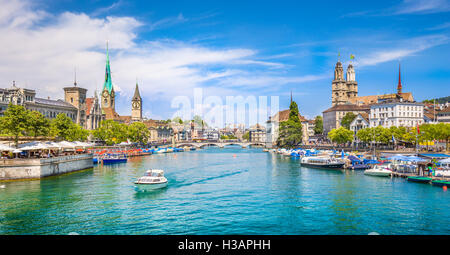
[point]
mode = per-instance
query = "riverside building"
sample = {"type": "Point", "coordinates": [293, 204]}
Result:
{"type": "Point", "coordinates": [27, 97]}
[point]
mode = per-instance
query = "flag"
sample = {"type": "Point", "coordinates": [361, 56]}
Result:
{"type": "Point", "coordinates": [393, 139]}
{"type": "Point", "coordinates": [418, 130]}
{"type": "Point", "coordinates": [352, 56]}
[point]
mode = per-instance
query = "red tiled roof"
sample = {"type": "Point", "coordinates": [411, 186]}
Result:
{"type": "Point", "coordinates": [89, 103]}
{"type": "Point", "coordinates": [284, 115]}
{"type": "Point", "coordinates": [348, 107]}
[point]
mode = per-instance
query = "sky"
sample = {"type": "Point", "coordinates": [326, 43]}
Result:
{"type": "Point", "coordinates": [226, 48]}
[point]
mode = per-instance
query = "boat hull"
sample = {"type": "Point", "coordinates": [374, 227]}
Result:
{"type": "Point", "coordinates": [441, 183]}
{"type": "Point", "coordinates": [330, 166]}
{"type": "Point", "coordinates": [377, 173]}
{"type": "Point", "coordinates": [113, 161]}
{"type": "Point", "coordinates": [149, 187]}
{"type": "Point", "coordinates": [420, 179]}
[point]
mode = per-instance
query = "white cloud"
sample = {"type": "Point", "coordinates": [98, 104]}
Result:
{"type": "Point", "coordinates": [402, 48]}
{"type": "Point", "coordinates": [40, 51]}
{"type": "Point", "coordinates": [422, 6]}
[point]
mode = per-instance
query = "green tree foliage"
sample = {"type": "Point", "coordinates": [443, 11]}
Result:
{"type": "Point", "coordinates": [138, 133]}
{"type": "Point", "coordinates": [246, 136]}
{"type": "Point", "coordinates": [290, 131]}
{"type": "Point", "coordinates": [198, 121]}
{"type": "Point", "coordinates": [318, 125]}
{"type": "Point", "coordinates": [340, 135]}
{"type": "Point", "coordinates": [347, 119]}
{"type": "Point", "coordinates": [111, 132]}
{"type": "Point", "coordinates": [365, 135]}
{"type": "Point", "coordinates": [441, 100]}
{"type": "Point", "coordinates": [38, 125]}
{"type": "Point", "coordinates": [64, 128]}
{"type": "Point", "coordinates": [177, 120]}
{"type": "Point", "coordinates": [15, 121]}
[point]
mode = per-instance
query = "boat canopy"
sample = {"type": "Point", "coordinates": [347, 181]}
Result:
{"type": "Point", "coordinates": [154, 172]}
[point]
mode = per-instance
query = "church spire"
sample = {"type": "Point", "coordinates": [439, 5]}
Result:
{"type": "Point", "coordinates": [137, 95]}
{"type": "Point", "coordinates": [399, 86]}
{"type": "Point", "coordinates": [108, 83]}
{"type": "Point", "coordinates": [291, 96]}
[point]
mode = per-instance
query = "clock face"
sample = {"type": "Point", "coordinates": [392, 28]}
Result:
{"type": "Point", "coordinates": [105, 93]}
{"type": "Point", "coordinates": [136, 104]}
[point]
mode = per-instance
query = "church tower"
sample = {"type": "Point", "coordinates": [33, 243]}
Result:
{"type": "Point", "coordinates": [352, 85]}
{"type": "Point", "coordinates": [108, 95]}
{"type": "Point", "coordinates": [399, 86]}
{"type": "Point", "coordinates": [136, 105]}
{"type": "Point", "coordinates": [76, 96]}
{"type": "Point", "coordinates": [339, 87]}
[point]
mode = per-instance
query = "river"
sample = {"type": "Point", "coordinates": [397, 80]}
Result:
{"type": "Point", "coordinates": [223, 191]}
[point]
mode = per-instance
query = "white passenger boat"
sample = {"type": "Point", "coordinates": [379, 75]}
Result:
{"type": "Point", "coordinates": [379, 170]}
{"type": "Point", "coordinates": [153, 179]}
{"type": "Point", "coordinates": [322, 162]}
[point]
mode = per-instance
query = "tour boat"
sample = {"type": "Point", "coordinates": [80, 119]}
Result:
{"type": "Point", "coordinates": [322, 162]}
{"type": "Point", "coordinates": [378, 170]}
{"type": "Point", "coordinates": [114, 159]}
{"type": "Point", "coordinates": [153, 179]}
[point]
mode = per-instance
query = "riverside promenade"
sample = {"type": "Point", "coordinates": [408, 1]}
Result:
{"type": "Point", "coordinates": [36, 168]}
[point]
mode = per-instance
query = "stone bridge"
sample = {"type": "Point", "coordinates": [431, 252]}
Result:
{"type": "Point", "coordinates": [218, 144]}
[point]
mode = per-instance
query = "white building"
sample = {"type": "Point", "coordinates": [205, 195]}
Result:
{"type": "Point", "coordinates": [388, 114]}
{"type": "Point", "coordinates": [361, 121]}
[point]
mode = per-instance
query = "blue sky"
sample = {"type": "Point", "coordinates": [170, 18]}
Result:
{"type": "Point", "coordinates": [259, 48]}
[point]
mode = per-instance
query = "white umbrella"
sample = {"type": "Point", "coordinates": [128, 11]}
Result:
{"type": "Point", "coordinates": [5, 148]}
{"type": "Point", "coordinates": [446, 161]}
{"type": "Point", "coordinates": [17, 151]}
{"type": "Point", "coordinates": [66, 144]}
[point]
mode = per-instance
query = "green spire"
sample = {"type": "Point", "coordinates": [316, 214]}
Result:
{"type": "Point", "coordinates": [108, 83]}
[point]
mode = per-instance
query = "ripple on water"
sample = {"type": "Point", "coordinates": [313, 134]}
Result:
{"type": "Point", "coordinates": [212, 192]}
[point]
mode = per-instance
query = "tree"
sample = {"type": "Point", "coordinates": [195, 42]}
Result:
{"type": "Point", "coordinates": [365, 135]}
{"type": "Point", "coordinates": [198, 120]}
{"type": "Point", "coordinates": [63, 127]}
{"type": "Point", "coordinates": [290, 131]}
{"type": "Point", "coordinates": [340, 135]}
{"type": "Point", "coordinates": [318, 125]}
{"type": "Point", "coordinates": [138, 132]}
{"type": "Point", "coordinates": [177, 120]}
{"type": "Point", "coordinates": [15, 121]}
{"type": "Point", "coordinates": [347, 119]}
{"type": "Point", "coordinates": [443, 133]}
{"type": "Point", "coordinates": [111, 132]}
{"type": "Point", "coordinates": [246, 136]}
{"type": "Point", "coordinates": [38, 125]}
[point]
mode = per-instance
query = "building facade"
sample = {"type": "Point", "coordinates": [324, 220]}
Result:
{"type": "Point", "coordinates": [332, 117]}
{"type": "Point", "coordinates": [388, 114]}
{"type": "Point", "coordinates": [27, 97]}
{"type": "Point", "coordinates": [257, 134]}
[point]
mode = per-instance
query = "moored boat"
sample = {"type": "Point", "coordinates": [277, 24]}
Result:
{"type": "Point", "coordinates": [419, 179]}
{"type": "Point", "coordinates": [322, 162]}
{"type": "Point", "coordinates": [440, 183]}
{"type": "Point", "coordinates": [152, 179]}
{"type": "Point", "coordinates": [114, 159]}
{"type": "Point", "coordinates": [378, 170]}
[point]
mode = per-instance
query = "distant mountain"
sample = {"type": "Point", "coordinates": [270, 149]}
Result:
{"type": "Point", "coordinates": [441, 100]}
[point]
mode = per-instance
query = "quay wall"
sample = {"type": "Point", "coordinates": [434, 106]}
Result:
{"type": "Point", "coordinates": [14, 169]}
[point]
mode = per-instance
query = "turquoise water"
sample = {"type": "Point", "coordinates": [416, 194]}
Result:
{"type": "Point", "coordinates": [223, 191]}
